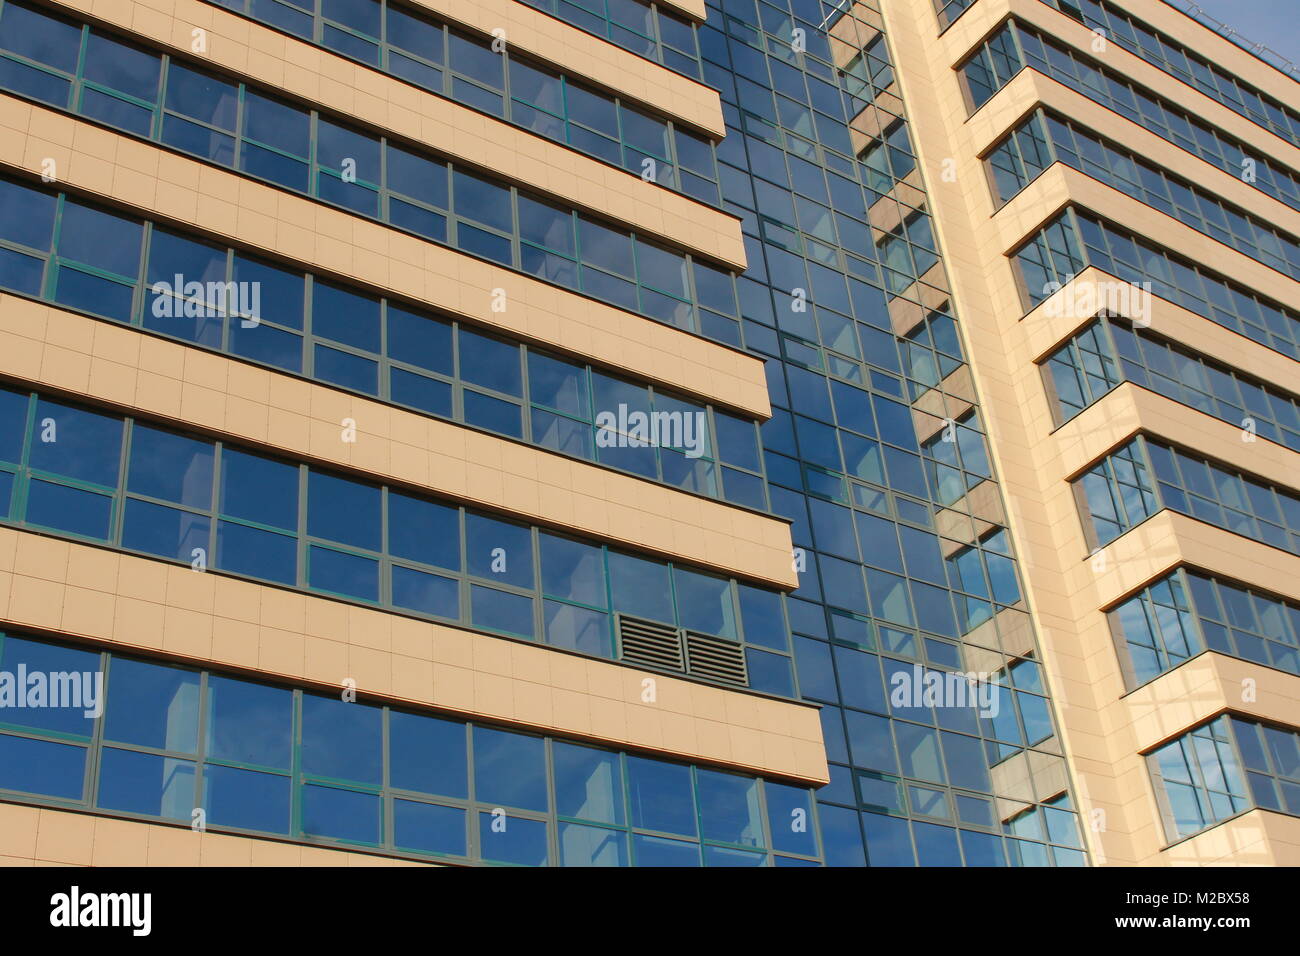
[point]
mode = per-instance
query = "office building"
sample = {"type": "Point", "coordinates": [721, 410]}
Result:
{"type": "Point", "coordinates": [646, 433]}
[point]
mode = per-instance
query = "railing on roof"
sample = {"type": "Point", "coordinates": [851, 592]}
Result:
{"type": "Point", "coordinates": [1269, 56]}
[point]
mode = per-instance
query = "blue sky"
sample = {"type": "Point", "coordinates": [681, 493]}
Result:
{"type": "Point", "coordinates": [1275, 23]}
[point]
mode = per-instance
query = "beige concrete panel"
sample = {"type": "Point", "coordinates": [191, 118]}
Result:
{"type": "Point", "coordinates": [1204, 687]}
{"type": "Point", "coordinates": [167, 186]}
{"type": "Point", "coordinates": [1030, 88]}
{"type": "Point", "coordinates": [576, 51]}
{"type": "Point", "coordinates": [1049, 325]}
{"type": "Point", "coordinates": [1062, 185]}
{"type": "Point", "coordinates": [1127, 409]}
{"type": "Point", "coordinates": [567, 48]}
{"type": "Point", "coordinates": [1256, 838]}
{"type": "Point", "coordinates": [988, 15]}
{"type": "Point", "coordinates": [1169, 539]}
{"type": "Point", "coordinates": [43, 836]}
{"type": "Point", "coordinates": [158, 378]}
{"type": "Point", "coordinates": [694, 9]}
{"type": "Point", "coordinates": [378, 100]}
{"type": "Point", "coordinates": [131, 602]}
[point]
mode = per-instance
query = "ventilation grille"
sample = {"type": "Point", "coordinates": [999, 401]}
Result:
{"type": "Point", "coordinates": [662, 646]}
{"type": "Point", "coordinates": [647, 642]}
{"type": "Point", "coordinates": [715, 659]}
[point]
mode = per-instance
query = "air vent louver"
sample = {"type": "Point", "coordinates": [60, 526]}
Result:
{"type": "Point", "coordinates": [715, 659]}
{"type": "Point", "coordinates": [648, 642]}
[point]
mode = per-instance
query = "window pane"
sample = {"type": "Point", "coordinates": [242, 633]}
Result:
{"type": "Point", "coordinates": [490, 363]}
{"type": "Point", "coordinates": [166, 532]}
{"type": "Point", "coordinates": [423, 531]}
{"type": "Point", "coordinates": [67, 708]}
{"type": "Point", "coordinates": [98, 239]}
{"type": "Point", "coordinates": [202, 97]}
{"type": "Point", "coordinates": [26, 215]}
{"type": "Point", "coordinates": [76, 443]}
{"type": "Point", "coordinates": [656, 851]}
{"type": "Point", "coordinates": [704, 603]}
{"type": "Point", "coordinates": [170, 466]}
{"type": "Point", "coordinates": [427, 593]}
{"type": "Point", "coordinates": [340, 814]}
{"type": "Point", "coordinates": [342, 510]}
{"type": "Point", "coordinates": [789, 815]}
{"type": "Point", "coordinates": [640, 587]}
{"type": "Point", "coordinates": [121, 67]}
{"type": "Point", "coordinates": [509, 769]}
{"type": "Point", "coordinates": [260, 554]}
{"type": "Point", "coordinates": [592, 846]}
{"type": "Point", "coordinates": [152, 705]}
{"type": "Point", "coordinates": [259, 489]}
{"type": "Point", "coordinates": [67, 509]}
{"type": "Point", "coordinates": [146, 783]}
{"type": "Point", "coordinates": [573, 570]}
{"type": "Point", "coordinates": [661, 796]}
{"type": "Point", "coordinates": [559, 385]}
{"type": "Point", "coordinates": [419, 340]}
{"type": "Point", "coordinates": [428, 828]}
{"type": "Point", "coordinates": [507, 839]}
{"type": "Point", "coordinates": [249, 723]}
{"type": "Point", "coordinates": [499, 551]}
{"type": "Point", "coordinates": [483, 201]}
{"type": "Point", "coordinates": [341, 740]}
{"type": "Point", "coordinates": [42, 767]}
{"type": "Point", "coordinates": [588, 783]}
{"type": "Point", "coordinates": [427, 755]}
{"type": "Point", "coordinates": [345, 317]}
{"type": "Point", "coordinates": [246, 799]}
{"type": "Point", "coordinates": [501, 611]}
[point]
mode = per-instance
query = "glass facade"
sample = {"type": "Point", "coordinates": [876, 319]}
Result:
{"type": "Point", "coordinates": [83, 256]}
{"type": "Point", "coordinates": [1016, 46]}
{"type": "Point", "coordinates": [1224, 768]}
{"type": "Point", "coordinates": [1163, 51]}
{"type": "Point", "coordinates": [876, 450]}
{"type": "Point", "coordinates": [86, 475]}
{"type": "Point", "coordinates": [1134, 482]}
{"type": "Point", "coordinates": [253, 130]}
{"type": "Point", "coordinates": [1077, 239]}
{"type": "Point", "coordinates": [1185, 612]}
{"type": "Point", "coordinates": [1045, 138]}
{"type": "Point", "coordinates": [1108, 352]}
{"type": "Point", "coordinates": [266, 759]}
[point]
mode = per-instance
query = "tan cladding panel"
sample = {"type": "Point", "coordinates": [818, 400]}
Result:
{"type": "Point", "coordinates": [41, 836]}
{"type": "Point", "coordinates": [1206, 686]}
{"type": "Point", "coordinates": [1047, 327]}
{"type": "Point", "coordinates": [1030, 88]}
{"type": "Point", "coordinates": [694, 9]}
{"type": "Point", "coordinates": [1256, 838]}
{"type": "Point", "coordinates": [567, 48]}
{"type": "Point", "coordinates": [136, 603]}
{"type": "Point", "coordinates": [138, 372]}
{"type": "Point", "coordinates": [1129, 409]}
{"type": "Point", "coordinates": [168, 186]}
{"type": "Point", "coordinates": [988, 14]}
{"type": "Point", "coordinates": [338, 84]}
{"type": "Point", "coordinates": [1061, 185]}
{"type": "Point", "coordinates": [1168, 539]}
{"type": "Point", "coordinates": [581, 53]}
